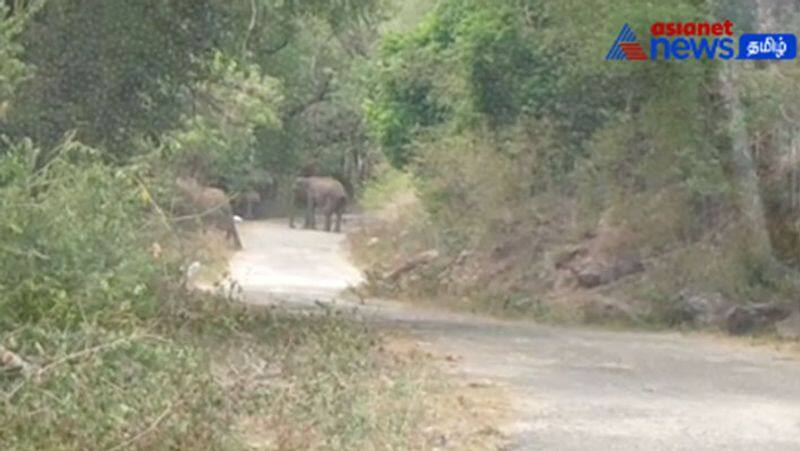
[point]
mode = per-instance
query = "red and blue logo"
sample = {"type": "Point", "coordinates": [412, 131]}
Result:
{"type": "Point", "coordinates": [701, 41]}
{"type": "Point", "coordinates": [626, 47]}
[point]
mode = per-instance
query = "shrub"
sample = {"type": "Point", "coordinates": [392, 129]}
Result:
{"type": "Point", "coordinates": [388, 187]}
{"type": "Point", "coordinates": [107, 390]}
{"type": "Point", "coordinates": [77, 236]}
{"type": "Point", "coordinates": [471, 189]}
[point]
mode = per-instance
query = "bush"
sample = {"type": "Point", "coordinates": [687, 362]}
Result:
{"type": "Point", "coordinates": [77, 236]}
{"type": "Point", "coordinates": [81, 289]}
{"type": "Point", "coordinates": [106, 390]}
{"type": "Point", "coordinates": [472, 189]}
{"type": "Point", "coordinates": [123, 358]}
{"type": "Point", "coordinates": [388, 187]}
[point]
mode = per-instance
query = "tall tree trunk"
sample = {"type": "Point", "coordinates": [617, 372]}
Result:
{"type": "Point", "coordinates": [747, 183]}
{"type": "Point", "coordinates": [746, 177]}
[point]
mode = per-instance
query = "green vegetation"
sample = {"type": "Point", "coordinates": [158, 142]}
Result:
{"type": "Point", "coordinates": [490, 132]}
{"type": "Point", "coordinates": [123, 357]}
{"type": "Point", "coordinates": [525, 145]}
{"type": "Point", "coordinates": [232, 85]}
{"type": "Point", "coordinates": [76, 240]}
{"type": "Point", "coordinates": [102, 105]}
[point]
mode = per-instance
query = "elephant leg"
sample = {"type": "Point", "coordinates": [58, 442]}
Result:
{"type": "Point", "coordinates": [327, 222]}
{"type": "Point", "coordinates": [307, 216]}
{"type": "Point", "coordinates": [338, 221]}
{"type": "Point", "coordinates": [310, 215]}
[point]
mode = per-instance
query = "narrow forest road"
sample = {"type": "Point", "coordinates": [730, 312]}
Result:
{"type": "Point", "coordinates": [573, 389]}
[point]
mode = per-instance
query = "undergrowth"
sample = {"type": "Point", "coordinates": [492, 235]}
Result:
{"type": "Point", "coordinates": [120, 355]}
{"type": "Point", "coordinates": [210, 375]}
{"type": "Point", "coordinates": [509, 242]}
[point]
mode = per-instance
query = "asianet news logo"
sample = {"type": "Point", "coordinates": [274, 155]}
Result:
{"type": "Point", "coordinates": [701, 41]}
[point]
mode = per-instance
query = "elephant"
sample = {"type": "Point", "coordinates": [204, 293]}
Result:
{"type": "Point", "coordinates": [246, 201]}
{"type": "Point", "coordinates": [258, 187]}
{"type": "Point", "coordinates": [211, 205]}
{"type": "Point", "coordinates": [325, 193]}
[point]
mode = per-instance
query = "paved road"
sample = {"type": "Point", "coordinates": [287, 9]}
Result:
{"type": "Point", "coordinates": [573, 389]}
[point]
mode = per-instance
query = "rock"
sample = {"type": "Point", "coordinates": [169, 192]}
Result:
{"type": "Point", "coordinates": [482, 383]}
{"type": "Point", "coordinates": [771, 312]}
{"type": "Point", "coordinates": [604, 310]}
{"type": "Point", "coordinates": [789, 328]}
{"type": "Point", "coordinates": [589, 277]}
{"type": "Point", "coordinates": [738, 321]}
{"type": "Point", "coordinates": [624, 267]}
{"type": "Point", "coordinates": [520, 303]}
{"type": "Point", "coordinates": [594, 275]}
{"type": "Point", "coordinates": [703, 310]}
{"type": "Point", "coordinates": [753, 317]}
{"type": "Point", "coordinates": [567, 256]}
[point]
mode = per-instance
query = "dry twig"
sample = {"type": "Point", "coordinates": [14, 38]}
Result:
{"type": "Point", "coordinates": [149, 429]}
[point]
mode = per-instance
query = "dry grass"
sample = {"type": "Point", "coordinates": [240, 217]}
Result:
{"type": "Point", "coordinates": [458, 414]}
{"type": "Point", "coordinates": [383, 394]}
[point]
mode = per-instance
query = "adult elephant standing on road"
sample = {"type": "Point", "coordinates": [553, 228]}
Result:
{"type": "Point", "coordinates": [325, 193]}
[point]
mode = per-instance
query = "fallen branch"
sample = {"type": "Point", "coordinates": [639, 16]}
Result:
{"type": "Point", "coordinates": [83, 353]}
{"type": "Point", "coordinates": [200, 215]}
{"type": "Point", "coordinates": [38, 372]}
{"type": "Point", "coordinates": [418, 260]}
{"type": "Point", "coordinates": [149, 429]}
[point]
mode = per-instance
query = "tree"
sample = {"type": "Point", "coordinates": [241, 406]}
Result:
{"type": "Point", "coordinates": [111, 70]}
{"type": "Point", "coordinates": [12, 69]}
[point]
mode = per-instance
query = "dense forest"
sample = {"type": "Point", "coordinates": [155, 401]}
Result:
{"type": "Point", "coordinates": [547, 180]}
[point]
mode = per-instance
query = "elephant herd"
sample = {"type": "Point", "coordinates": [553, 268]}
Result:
{"type": "Point", "coordinates": [212, 207]}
